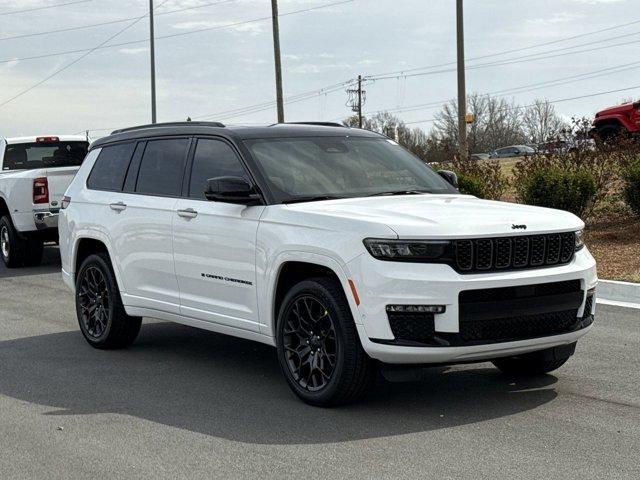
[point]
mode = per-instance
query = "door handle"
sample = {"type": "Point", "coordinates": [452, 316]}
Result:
{"type": "Point", "coordinates": [118, 207]}
{"type": "Point", "coordinates": [188, 213]}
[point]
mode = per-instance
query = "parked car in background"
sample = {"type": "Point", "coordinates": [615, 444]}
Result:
{"type": "Point", "coordinates": [335, 245]}
{"type": "Point", "coordinates": [616, 121]}
{"type": "Point", "coordinates": [566, 146]}
{"type": "Point", "coordinates": [513, 151]}
{"type": "Point", "coordinates": [34, 174]}
{"type": "Point", "coordinates": [479, 156]}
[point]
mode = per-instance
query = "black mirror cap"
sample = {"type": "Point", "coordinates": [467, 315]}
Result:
{"type": "Point", "coordinates": [231, 190]}
{"type": "Point", "coordinates": [449, 176]}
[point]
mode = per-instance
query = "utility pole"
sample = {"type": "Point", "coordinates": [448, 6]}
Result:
{"type": "Point", "coordinates": [278, 62]}
{"type": "Point", "coordinates": [359, 101]}
{"type": "Point", "coordinates": [153, 63]}
{"type": "Point", "coordinates": [462, 94]}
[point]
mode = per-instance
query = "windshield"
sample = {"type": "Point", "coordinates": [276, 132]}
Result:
{"type": "Point", "coordinates": [338, 167]}
{"type": "Point", "coordinates": [28, 156]}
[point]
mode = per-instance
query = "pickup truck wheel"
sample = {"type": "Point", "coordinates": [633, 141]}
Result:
{"type": "Point", "coordinates": [318, 346]}
{"type": "Point", "coordinates": [12, 247]}
{"type": "Point", "coordinates": [101, 315]}
{"type": "Point", "coordinates": [535, 363]}
{"type": "Point", "coordinates": [33, 253]}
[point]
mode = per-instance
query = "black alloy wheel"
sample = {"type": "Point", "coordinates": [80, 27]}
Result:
{"type": "Point", "coordinates": [101, 315]}
{"type": "Point", "coordinates": [94, 302]}
{"type": "Point", "coordinates": [319, 349]}
{"type": "Point", "coordinates": [310, 342]}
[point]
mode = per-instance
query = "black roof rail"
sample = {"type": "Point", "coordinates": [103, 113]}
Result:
{"type": "Point", "coordinates": [318, 124]}
{"type": "Point", "coordinates": [168, 124]}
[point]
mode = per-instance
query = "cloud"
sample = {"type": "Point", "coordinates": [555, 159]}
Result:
{"type": "Point", "coordinates": [596, 2]}
{"type": "Point", "coordinates": [562, 17]}
{"type": "Point", "coordinates": [133, 51]}
{"type": "Point", "coordinates": [247, 28]}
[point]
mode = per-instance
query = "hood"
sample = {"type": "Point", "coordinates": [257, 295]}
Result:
{"type": "Point", "coordinates": [445, 216]}
{"type": "Point", "coordinates": [625, 107]}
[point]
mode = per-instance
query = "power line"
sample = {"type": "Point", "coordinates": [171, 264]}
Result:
{"type": "Point", "coordinates": [523, 88]}
{"type": "Point", "coordinates": [68, 65]}
{"type": "Point", "coordinates": [180, 34]}
{"type": "Point", "coordinates": [12, 12]}
{"type": "Point", "coordinates": [111, 22]}
{"type": "Point", "coordinates": [579, 97]}
{"type": "Point", "coordinates": [515, 50]}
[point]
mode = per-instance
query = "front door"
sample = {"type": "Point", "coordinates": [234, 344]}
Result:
{"type": "Point", "coordinates": [215, 244]}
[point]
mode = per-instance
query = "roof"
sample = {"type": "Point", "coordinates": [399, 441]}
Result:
{"type": "Point", "coordinates": [32, 139]}
{"type": "Point", "coordinates": [280, 130]}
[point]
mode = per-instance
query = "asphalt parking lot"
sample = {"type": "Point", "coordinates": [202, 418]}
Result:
{"type": "Point", "coordinates": [183, 403]}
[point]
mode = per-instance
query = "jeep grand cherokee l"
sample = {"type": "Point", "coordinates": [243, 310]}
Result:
{"type": "Point", "coordinates": [335, 245]}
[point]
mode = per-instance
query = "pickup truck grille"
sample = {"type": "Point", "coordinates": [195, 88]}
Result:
{"type": "Point", "coordinates": [511, 253]}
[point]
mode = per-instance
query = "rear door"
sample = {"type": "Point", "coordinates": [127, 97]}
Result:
{"type": "Point", "coordinates": [142, 226]}
{"type": "Point", "coordinates": [215, 243]}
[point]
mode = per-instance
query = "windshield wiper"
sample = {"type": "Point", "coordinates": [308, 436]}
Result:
{"type": "Point", "coordinates": [311, 198]}
{"type": "Point", "coordinates": [399, 192]}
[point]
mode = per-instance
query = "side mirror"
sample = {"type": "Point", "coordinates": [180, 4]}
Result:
{"type": "Point", "coordinates": [231, 190]}
{"type": "Point", "coordinates": [449, 176]}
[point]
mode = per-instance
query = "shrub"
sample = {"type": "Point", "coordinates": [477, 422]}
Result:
{"type": "Point", "coordinates": [472, 185]}
{"type": "Point", "coordinates": [552, 187]}
{"type": "Point", "coordinates": [631, 189]}
{"type": "Point", "coordinates": [483, 179]}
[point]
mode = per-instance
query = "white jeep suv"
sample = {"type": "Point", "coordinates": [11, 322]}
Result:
{"type": "Point", "coordinates": [334, 245]}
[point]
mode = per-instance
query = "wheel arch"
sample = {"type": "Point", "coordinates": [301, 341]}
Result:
{"type": "Point", "coordinates": [88, 244]}
{"type": "Point", "coordinates": [293, 268]}
{"type": "Point", "coordinates": [614, 120]}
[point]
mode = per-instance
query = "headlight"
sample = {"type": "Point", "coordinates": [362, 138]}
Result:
{"type": "Point", "coordinates": [579, 240]}
{"type": "Point", "coordinates": [408, 250]}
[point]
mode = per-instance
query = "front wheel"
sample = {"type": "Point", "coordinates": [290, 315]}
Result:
{"type": "Point", "coordinates": [318, 346]}
{"type": "Point", "coordinates": [101, 315]}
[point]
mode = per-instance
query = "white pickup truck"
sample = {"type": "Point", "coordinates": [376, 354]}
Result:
{"type": "Point", "coordinates": [34, 174]}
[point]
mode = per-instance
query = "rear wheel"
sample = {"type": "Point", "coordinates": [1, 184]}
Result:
{"type": "Point", "coordinates": [535, 363]}
{"type": "Point", "coordinates": [101, 315]}
{"type": "Point", "coordinates": [12, 247]}
{"type": "Point", "coordinates": [318, 346]}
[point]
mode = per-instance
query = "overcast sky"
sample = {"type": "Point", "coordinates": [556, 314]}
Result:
{"type": "Point", "coordinates": [224, 68]}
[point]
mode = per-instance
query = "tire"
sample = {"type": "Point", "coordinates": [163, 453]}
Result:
{"type": "Point", "coordinates": [12, 246]}
{"type": "Point", "coordinates": [536, 363]}
{"type": "Point", "coordinates": [101, 315]}
{"type": "Point", "coordinates": [610, 134]}
{"type": "Point", "coordinates": [33, 252]}
{"type": "Point", "coordinates": [305, 356]}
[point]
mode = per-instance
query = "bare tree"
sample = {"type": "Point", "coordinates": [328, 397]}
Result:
{"type": "Point", "coordinates": [496, 124]}
{"type": "Point", "coordinates": [415, 140]}
{"type": "Point", "coordinates": [541, 123]}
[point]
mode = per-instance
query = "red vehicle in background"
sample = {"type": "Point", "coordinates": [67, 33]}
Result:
{"type": "Point", "coordinates": [617, 121]}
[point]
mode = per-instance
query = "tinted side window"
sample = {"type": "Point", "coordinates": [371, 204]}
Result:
{"type": "Point", "coordinates": [162, 167]}
{"type": "Point", "coordinates": [111, 167]}
{"type": "Point", "coordinates": [213, 158]}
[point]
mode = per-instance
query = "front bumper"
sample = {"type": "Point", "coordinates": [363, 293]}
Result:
{"type": "Point", "coordinates": [45, 219]}
{"type": "Point", "coordinates": [380, 284]}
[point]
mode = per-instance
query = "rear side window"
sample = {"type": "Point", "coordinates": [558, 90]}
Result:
{"type": "Point", "coordinates": [162, 167]}
{"type": "Point", "coordinates": [213, 158]}
{"type": "Point", "coordinates": [111, 167]}
{"type": "Point", "coordinates": [29, 156]}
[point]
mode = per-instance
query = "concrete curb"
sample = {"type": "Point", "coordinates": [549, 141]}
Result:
{"type": "Point", "coordinates": [622, 294]}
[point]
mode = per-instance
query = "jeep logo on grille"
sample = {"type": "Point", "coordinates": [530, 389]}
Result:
{"type": "Point", "coordinates": [518, 227]}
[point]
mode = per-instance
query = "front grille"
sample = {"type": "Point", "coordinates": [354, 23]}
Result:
{"type": "Point", "coordinates": [510, 253]}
